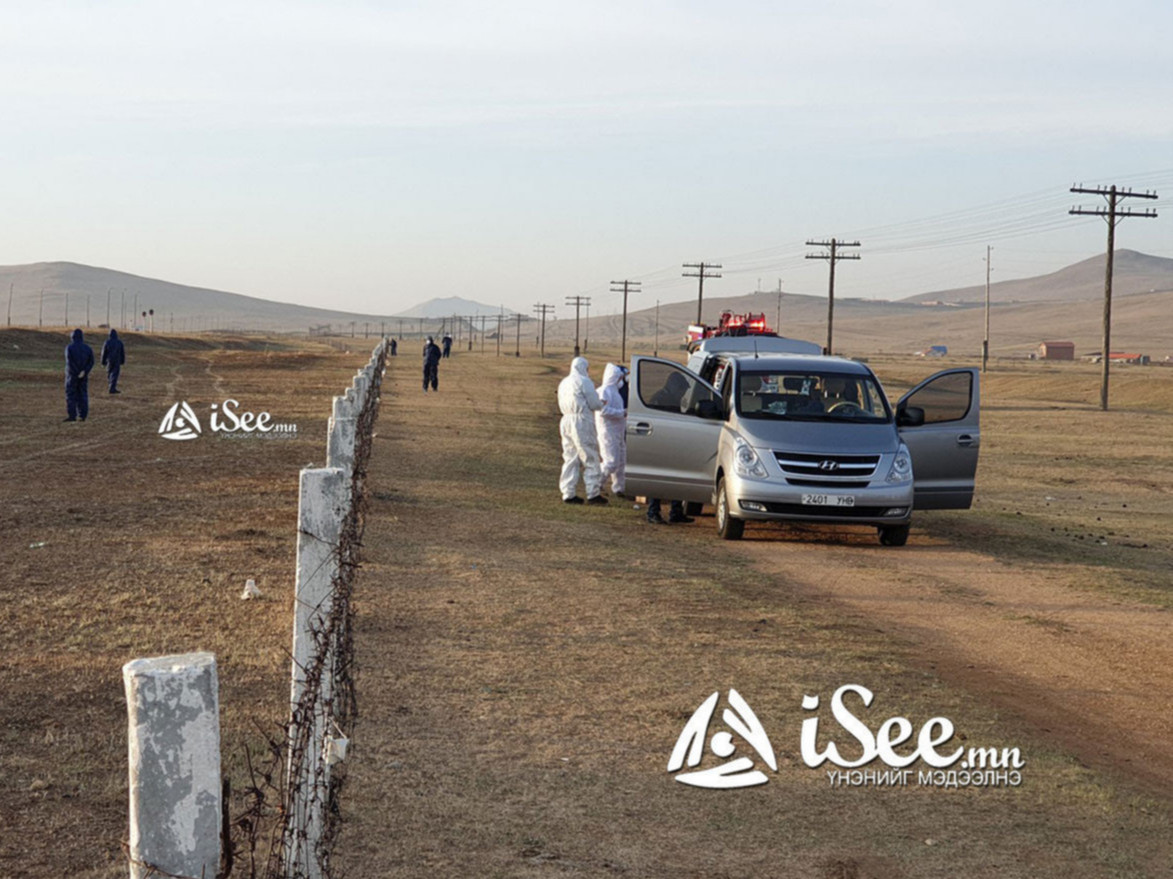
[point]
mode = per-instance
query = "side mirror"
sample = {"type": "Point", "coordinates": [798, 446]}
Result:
{"type": "Point", "coordinates": [910, 416]}
{"type": "Point", "coordinates": [707, 409]}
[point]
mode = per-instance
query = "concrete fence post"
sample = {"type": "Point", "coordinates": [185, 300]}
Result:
{"type": "Point", "coordinates": [340, 442]}
{"type": "Point", "coordinates": [173, 707]}
{"type": "Point", "coordinates": [323, 502]}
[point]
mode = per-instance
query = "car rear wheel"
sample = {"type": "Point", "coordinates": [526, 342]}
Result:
{"type": "Point", "coordinates": [894, 535]}
{"type": "Point", "coordinates": [728, 527]}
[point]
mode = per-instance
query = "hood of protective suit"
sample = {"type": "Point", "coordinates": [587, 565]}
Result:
{"type": "Point", "coordinates": [579, 365]}
{"type": "Point", "coordinates": [612, 375]}
{"type": "Point", "coordinates": [77, 335]}
{"type": "Point", "coordinates": [114, 334]}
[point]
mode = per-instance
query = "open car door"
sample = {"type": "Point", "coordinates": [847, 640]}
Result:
{"type": "Point", "coordinates": [945, 447]}
{"type": "Point", "coordinates": [673, 424]}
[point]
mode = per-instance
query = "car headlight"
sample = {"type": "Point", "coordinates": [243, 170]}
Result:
{"type": "Point", "coordinates": [901, 469]}
{"type": "Point", "coordinates": [746, 461]}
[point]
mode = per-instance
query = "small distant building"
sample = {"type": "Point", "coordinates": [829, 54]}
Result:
{"type": "Point", "coordinates": [1120, 357]}
{"type": "Point", "coordinates": [1057, 351]}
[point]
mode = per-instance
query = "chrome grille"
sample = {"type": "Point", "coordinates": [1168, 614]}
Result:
{"type": "Point", "coordinates": [840, 471]}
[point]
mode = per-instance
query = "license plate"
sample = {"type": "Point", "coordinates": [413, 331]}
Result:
{"type": "Point", "coordinates": [829, 500]}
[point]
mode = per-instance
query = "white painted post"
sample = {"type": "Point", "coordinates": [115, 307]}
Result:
{"type": "Point", "coordinates": [173, 707]}
{"type": "Point", "coordinates": [324, 496]}
{"type": "Point", "coordinates": [341, 440]}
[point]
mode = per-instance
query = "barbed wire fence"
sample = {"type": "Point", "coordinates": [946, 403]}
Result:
{"type": "Point", "coordinates": [185, 823]}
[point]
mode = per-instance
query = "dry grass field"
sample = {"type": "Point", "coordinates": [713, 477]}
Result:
{"type": "Point", "coordinates": [526, 667]}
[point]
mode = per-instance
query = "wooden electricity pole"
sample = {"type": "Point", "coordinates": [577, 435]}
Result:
{"type": "Point", "coordinates": [986, 338]}
{"type": "Point", "coordinates": [832, 256]}
{"type": "Point", "coordinates": [632, 286]}
{"type": "Point", "coordinates": [578, 302]}
{"type": "Point", "coordinates": [542, 309]}
{"type": "Point", "coordinates": [1113, 215]}
{"type": "Point", "coordinates": [700, 273]}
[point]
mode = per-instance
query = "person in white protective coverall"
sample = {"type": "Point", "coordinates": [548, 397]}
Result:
{"type": "Point", "coordinates": [611, 424]}
{"type": "Point", "coordinates": [578, 401]}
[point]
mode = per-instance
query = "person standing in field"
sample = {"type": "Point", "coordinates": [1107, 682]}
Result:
{"type": "Point", "coordinates": [394, 347]}
{"type": "Point", "coordinates": [113, 356]}
{"type": "Point", "coordinates": [611, 424]}
{"type": "Point", "coordinates": [447, 340]}
{"type": "Point", "coordinates": [578, 401]}
{"type": "Point", "coordinates": [79, 360]}
{"type": "Point", "coordinates": [431, 365]}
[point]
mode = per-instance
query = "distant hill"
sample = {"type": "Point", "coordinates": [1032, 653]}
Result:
{"type": "Point", "coordinates": [1132, 273]}
{"type": "Point", "coordinates": [452, 305]}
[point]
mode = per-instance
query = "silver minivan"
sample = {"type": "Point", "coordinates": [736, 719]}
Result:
{"type": "Point", "coordinates": [803, 438]}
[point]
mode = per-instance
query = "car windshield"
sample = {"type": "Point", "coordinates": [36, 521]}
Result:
{"type": "Point", "coordinates": [811, 396]}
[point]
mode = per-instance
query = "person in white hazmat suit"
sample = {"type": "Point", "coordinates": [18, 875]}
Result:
{"type": "Point", "coordinates": [578, 401]}
{"type": "Point", "coordinates": [611, 424]}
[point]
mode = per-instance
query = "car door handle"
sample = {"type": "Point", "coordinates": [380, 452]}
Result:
{"type": "Point", "coordinates": [642, 428]}
{"type": "Point", "coordinates": [967, 440]}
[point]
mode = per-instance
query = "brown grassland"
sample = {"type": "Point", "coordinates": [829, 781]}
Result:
{"type": "Point", "coordinates": [526, 667]}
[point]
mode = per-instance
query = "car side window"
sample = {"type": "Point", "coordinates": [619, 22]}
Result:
{"type": "Point", "coordinates": [669, 388]}
{"type": "Point", "coordinates": [946, 398]}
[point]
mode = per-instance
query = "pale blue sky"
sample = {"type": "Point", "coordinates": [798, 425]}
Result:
{"type": "Point", "coordinates": [369, 156]}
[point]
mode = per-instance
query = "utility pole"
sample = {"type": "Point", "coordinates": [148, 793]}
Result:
{"type": "Point", "coordinates": [656, 346]}
{"type": "Point", "coordinates": [41, 309]}
{"type": "Point", "coordinates": [778, 324]}
{"type": "Point", "coordinates": [517, 350]}
{"type": "Point", "coordinates": [701, 268]}
{"type": "Point", "coordinates": [986, 339]}
{"type": "Point", "coordinates": [108, 290]}
{"type": "Point", "coordinates": [136, 308]}
{"type": "Point", "coordinates": [1113, 215]}
{"type": "Point", "coordinates": [67, 308]}
{"type": "Point", "coordinates": [500, 318]}
{"type": "Point", "coordinates": [578, 302]}
{"type": "Point", "coordinates": [633, 286]}
{"type": "Point", "coordinates": [87, 311]}
{"type": "Point", "coordinates": [542, 309]}
{"type": "Point", "coordinates": [10, 286]}
{"type": "Point", "coordinates": [832, 255]}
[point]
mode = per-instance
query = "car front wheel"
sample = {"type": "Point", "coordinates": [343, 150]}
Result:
{"type": "Point", "coordinates": [894, 535]}
{"type": "Point", "coordinates": [728, 527]}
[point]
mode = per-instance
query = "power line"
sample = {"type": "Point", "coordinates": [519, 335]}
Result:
{"type": "Point", "coordinates": [832, 256]}
{"type": "Point", "coordinates": [1113, 215]}
{"type": "Point", "coordinates": [578, 302]}
{"type": "Point", "coordinates": [542, 309]}
{"type": "Point", "coordinates": [624, 287]}
{"type": "Point", "coordinates": [700, 273]}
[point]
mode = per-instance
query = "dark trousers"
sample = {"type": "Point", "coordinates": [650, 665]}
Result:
{"type": "Point", "coordinates": [112, 373]}
{"type": "Point", "coordinates": [77, 397]}
{"type": "Point", "coordinates": [431, 374]}
{"type": "Point", "coordinates": [677, 509]}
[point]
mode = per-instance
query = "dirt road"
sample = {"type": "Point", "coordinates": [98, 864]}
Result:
{"type": "Point", "coordinates": [526, 668]}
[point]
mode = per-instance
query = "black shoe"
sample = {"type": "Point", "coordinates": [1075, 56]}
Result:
{"type": "Point", "coordinates": [597, 501]}
{"type": "Point", "coordinates": [116, 392]}
{"type": "Point", "coordinates": [69, 419]}
{"type": "Point", "coordinates": [572, 500]}
{"type": "Point", "coordinates": [656, 520]}
{"type": "Point", "coordinates": [619, 495]}
{"type": "Point", "coordinates": [682, 520]}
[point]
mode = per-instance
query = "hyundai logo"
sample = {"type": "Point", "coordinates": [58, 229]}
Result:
{"type": "Point", "coordinates": [828, 465]}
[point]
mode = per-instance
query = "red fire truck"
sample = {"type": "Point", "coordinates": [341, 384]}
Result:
{"type": "Point", "coordinates": [748, 324]}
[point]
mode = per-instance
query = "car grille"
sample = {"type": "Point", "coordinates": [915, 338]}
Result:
{"type": "Point", "coordinates": [828, 471]}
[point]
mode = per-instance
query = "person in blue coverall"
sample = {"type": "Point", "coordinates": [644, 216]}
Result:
{"type": "Point", "coordinates": [79, 360]}
{"type": "Point", "coordinates": [113, 356]}
{"type": "Point", "coordinates": [431, 364]}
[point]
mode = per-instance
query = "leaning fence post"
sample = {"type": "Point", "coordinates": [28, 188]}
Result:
{"type": "Point", "coordinates": [323, 500]}
{"type": "Point", "coordinates": [173, 708]}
